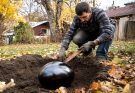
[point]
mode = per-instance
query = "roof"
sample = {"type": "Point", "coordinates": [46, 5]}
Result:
{"type": "Point", "coordinates": [34, 24]}
{"type": "Point", "coordinates": [121, 12]}
{"type": "Point", "coordinates": [8, 33]}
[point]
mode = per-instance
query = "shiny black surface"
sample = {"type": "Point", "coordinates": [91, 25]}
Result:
{"type": "Point", "coordinates": [56, 74]}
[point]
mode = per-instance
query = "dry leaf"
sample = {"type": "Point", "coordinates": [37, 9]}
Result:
{"type": "Point", "coordinates": [106, 89]}
{"type": "Point", "coordinates": [53, 56]}
{"type": "Point", "coordinates": [61, 90]}
{"type": "Point", "coordinates": [132, 86]}
{"type": "Point", "coordinates": [4, 86]}
{"type": "Point", "coordinates": [96, 85]}
{"type": "Point", "coordinates": [112, 71]}
{"type": "Point", "coordinates": [120, 82]}
{"type": "Point", "coordinates": [127, 89]}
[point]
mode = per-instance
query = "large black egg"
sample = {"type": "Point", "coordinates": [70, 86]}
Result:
{"type": "Point", "coordinates": [56, 74]}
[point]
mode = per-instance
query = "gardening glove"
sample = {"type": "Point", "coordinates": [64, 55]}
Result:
{"type": "Point", "coordinates": [87, 46]}
{"type": "Point", "coordinates": [62, 54]}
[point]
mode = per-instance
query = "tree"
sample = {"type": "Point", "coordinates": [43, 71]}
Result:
{"type": "Point", "coordinates": [53, 9]}
{"type": "Point", "coordinates": [31, 10]}
{"type": "Point", "coordinates": [23, 33]}
{"type": "Point", "coordinates": [27, 8]}
{"type": "Point", "coordinates": [66, 16]}
{"type": "Point", "coordinates": [8, 14]}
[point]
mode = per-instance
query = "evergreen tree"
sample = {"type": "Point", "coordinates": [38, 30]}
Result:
{"type": "Point", "coordinates": [23, 33]}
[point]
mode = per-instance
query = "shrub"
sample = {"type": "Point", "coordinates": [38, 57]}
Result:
{"type": "Point", "coordinates": [23, 33]}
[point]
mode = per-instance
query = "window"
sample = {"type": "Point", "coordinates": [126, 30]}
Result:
{"type": "Point", "coordinates": [44, 31]}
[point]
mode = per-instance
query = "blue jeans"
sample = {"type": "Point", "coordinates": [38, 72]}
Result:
{"type": "Point", "coordinates": [82, 37]}
{"type": "Point", "coordinates": [103, 48]}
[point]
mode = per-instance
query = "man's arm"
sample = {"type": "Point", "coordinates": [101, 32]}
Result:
{"type": "Point", "coordinates": [69, 35]}
{"type": "Point", "coordinates": [106, 28]}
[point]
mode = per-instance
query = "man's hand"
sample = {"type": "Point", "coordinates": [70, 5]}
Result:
{"type": "Point", "coordinates": [61, 56]}
{"type": "Point", "coordinates": [87, 46]}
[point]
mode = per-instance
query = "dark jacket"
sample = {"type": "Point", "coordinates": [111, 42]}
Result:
{"type": "Point", "coordinates": [99, 27]}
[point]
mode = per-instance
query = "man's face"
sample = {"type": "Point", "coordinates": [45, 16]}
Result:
{"type": "Point", "coordinates": [85, 17]}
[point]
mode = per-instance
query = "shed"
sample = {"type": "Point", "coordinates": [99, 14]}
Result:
{"type": "Point", "coordinates": [41, 28]}
{"type": "Point", "coordinates": [41, 31]}
{"type": "Point", "coordinates": [125, 21]}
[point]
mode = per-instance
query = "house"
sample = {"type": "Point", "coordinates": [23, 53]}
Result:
{"type": "Point", "coordinates": [40, 28]}
{"type": "Point", "coordinates": [125, 21]}
{"type": "Point", "coordinates": [8, 36]}
{"type": "Point", "coordinates": [41, 31]}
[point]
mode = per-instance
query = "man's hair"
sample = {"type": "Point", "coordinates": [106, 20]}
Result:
{"type": "Point", "coordinates": [82, 7]}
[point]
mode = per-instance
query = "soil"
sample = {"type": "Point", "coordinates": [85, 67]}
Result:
{"type": "Point", "coordinates": [24, 70]}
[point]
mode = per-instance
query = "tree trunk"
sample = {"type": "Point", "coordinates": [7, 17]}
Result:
{"type": "Point", "coordinates": [53, 17]}
{"type": "Point", "coordinates": [59, 4]}
{"type": "Point", "coordinates": [2, 28]}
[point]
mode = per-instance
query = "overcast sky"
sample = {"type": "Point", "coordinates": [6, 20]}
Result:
{"type": "Point", "coordinates": [106, 3]}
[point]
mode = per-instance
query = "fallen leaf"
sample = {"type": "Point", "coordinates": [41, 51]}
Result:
{"type": "Point", "coordinates": [132, 86]}
{"type": "Point", "coordinates": [4, 86]}
{"type": "Point", "coordinates": [112, 71]}
{"type": "Point", "coordinates": [96, 85]}
{"type": "Point", "coordinates": [105, 89]}
{"type": "Point", "coordinates": [116, 60]}
{"type": "Point", "coordinates": [61, 90]}
{"type": "Point", "coordinates": [127, 89]}
{"type": "Point", "coordinates": [120, 82]}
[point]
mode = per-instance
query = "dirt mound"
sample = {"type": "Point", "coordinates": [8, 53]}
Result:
{"type": "Point", "coordinates": [24, 71]}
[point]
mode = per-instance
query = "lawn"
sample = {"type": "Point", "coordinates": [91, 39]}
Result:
{"type": "Point", "coordinates": [11, 51]}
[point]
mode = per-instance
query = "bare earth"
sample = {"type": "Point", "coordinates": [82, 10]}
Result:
{"type": "Point", "coordinates": [24, 70]}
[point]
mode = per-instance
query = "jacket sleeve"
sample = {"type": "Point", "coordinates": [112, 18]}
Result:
{"type": "Point", "coordinates": [106, 28]}
{"type": "Point", "coordinates": [69, 35]}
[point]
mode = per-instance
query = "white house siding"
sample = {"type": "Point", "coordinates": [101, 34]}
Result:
{"type": "Point", "coordinates": [48, 32]}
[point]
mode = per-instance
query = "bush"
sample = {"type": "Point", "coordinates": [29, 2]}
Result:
{"type": "Point", "coordinates": [23, 33]}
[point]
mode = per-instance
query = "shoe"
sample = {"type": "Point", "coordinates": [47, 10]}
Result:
{"type": "Point", "coordinates": [103, 74]}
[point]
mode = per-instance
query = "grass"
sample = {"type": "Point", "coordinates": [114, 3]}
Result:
{"type": "Point", "coordinates": [126, 46]}
{"type": "Point", "coordinates": [11, 51]}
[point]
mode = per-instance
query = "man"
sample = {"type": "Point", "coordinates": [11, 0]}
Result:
{"type": "Point", "coordinates": [90, 27]}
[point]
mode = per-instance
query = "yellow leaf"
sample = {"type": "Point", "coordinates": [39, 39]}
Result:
{"type": "Point", "coordinates": [9, 9]}
{"type": "Point", "coordinates": [116, 60]}
{"type": "Point", "coordinates": [127, 89]}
